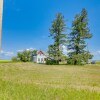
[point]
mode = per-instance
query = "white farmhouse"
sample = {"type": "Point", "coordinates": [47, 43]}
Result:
{"type": "Point", "coordinates": [40, 57]}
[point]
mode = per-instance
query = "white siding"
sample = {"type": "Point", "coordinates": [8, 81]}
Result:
{"type": "Point", "coordinates": [41, 58]}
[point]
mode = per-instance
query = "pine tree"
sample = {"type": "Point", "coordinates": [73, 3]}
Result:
{"type": "Point", "coordinates": [57, 33]}
{"type": "Point", "coordinates": [77, 44]}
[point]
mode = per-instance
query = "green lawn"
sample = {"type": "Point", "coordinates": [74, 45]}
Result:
{"type": "Point", "coordinates": [28, 81]}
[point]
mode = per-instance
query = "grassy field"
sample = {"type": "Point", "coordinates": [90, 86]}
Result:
{"type": "Point", "coordinates": [28, 81]}
{"type": "Point", "coordinates": [5, 61]}
{"type": "Point", "coordinates": [98, 62]}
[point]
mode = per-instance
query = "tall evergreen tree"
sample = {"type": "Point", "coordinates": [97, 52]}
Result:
{"type": "Point", "coordinates": [77, 44]}
{"type": "Point", "coordinates": [57, 33]}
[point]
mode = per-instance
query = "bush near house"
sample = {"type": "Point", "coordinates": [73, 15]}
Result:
{"type": "Point", "coordinates": [51, 62]}
{"type": "Point", "coordinates": [14, 59]}
{"type": "Point", "coordinates": [24, 56]}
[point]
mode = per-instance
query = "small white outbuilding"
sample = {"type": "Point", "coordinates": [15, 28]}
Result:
{"type": "Point", "coordinates": [40, 57]}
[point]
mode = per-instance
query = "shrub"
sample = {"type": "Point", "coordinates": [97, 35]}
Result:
{"type": "Point", "coordinates": [71, 61]}
{"type": "Point", "coordinates": [25, 56]}
{"type": "Point", "coordinates": [14, 59]}
{"type": "Point", "coordinates": [51, 62]}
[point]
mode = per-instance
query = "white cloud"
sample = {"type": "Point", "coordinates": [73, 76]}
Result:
{"type": "Point", "coordinates": [30, 49]}
{"type": "Point", "coordinates": [19, 50]}
{"type": "Point", "coordinates": [26, 49]}
{"type": "Point", "coordinates": [5, 53]}
{"type": "Point", "coordinates": [65, 50]}
{"type": "Point", "coordinates": [98, 52]}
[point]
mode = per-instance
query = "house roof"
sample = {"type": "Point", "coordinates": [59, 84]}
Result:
{"type": "Point", "coordinates": [40, 52]}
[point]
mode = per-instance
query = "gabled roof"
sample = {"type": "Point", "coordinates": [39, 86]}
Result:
{"type": "Point", "coordinates": [40, 53]}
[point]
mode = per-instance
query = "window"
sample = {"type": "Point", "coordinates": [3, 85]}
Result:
{"type": "Point", "coordinates": [41, 59]}
{"type": "Point", "coordinates": [38, 59]}
{"type": "Point", "coordinates": [44, 59]}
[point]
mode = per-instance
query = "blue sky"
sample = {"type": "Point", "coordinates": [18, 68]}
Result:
{"type": "Point", "coordinates": [26, 23]}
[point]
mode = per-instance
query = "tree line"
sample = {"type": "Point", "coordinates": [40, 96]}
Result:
{"type": "Point", "coordinates": [75, 41]}
{"type": "Point", "coordinates": [25, 56]}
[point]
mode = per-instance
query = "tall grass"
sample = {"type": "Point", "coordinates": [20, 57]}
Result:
{"type": "Point", "coordinates": [28, 81]}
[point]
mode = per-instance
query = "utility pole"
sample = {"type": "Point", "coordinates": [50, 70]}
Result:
{"type": "Point", "coordinates": [1, 14]}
